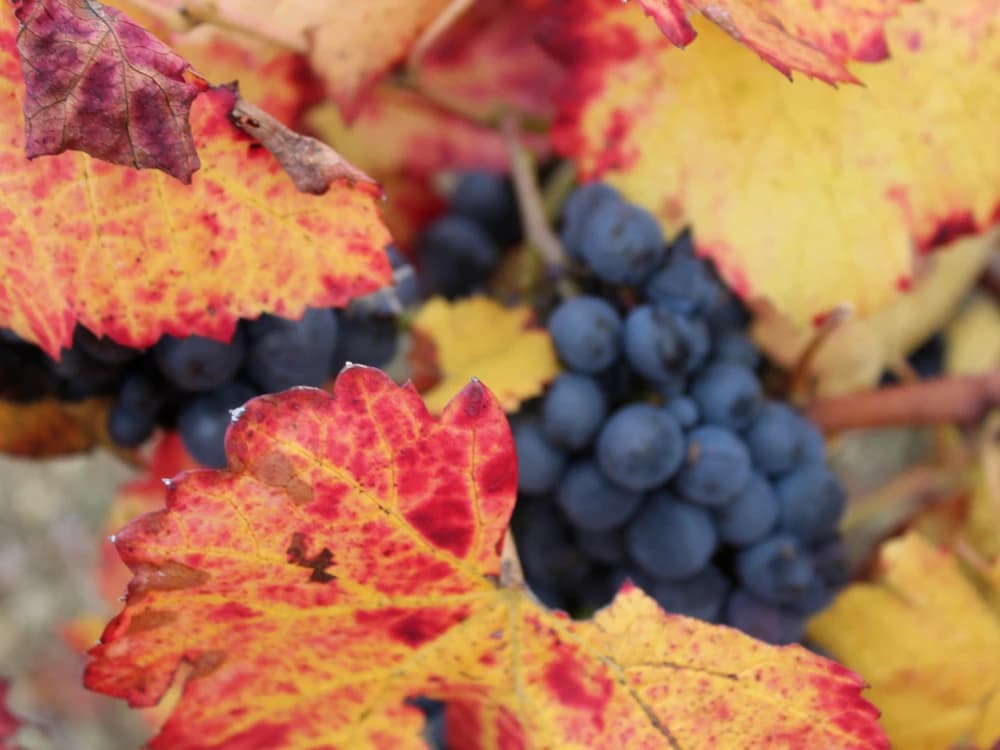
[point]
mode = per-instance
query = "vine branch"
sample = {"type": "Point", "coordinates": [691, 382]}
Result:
{"type": "Point", "coordinates": [960, 398]}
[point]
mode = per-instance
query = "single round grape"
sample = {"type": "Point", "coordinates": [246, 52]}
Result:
{"type": "Point", "coordinates": [591, 501]}
{"type": "Point", "coordinates": [655, 345]}
{"type": "Point", "coordinates": [197, 363]}
{"type": "Point", "coordinates": [456, 255]}
{"type": "Point", "coordinates": [285, 353]}
{"type": "Point", "coordinates": [728, 395]}
{"type": "Point", "coordinates": [715, 467]}
{"type": "Point", "coordinates": [684, 410]}
{"type": "Point", "coordinates": [203, 422]}
{"type": "Point", "coordinates": [586, 332]}
{"type": "Point", "coordinates": [701, 595]}
{"type": "Point", "coordinates": [777, 570]}
{"type": "Point", "coordinates": [640, 447]}
{"type": "Point", "coordinates": [752, 514]}
{"type": "Point", "coordinates": [775, 438]}
{"type": "Point", "coordinates": [811, 501]}
{"type": "Point", "coordinates": [540, 464]}
{"type": "Point", "coordinates": [669, 539]}
{"type": "Point", "coordinates": [572, 411]}
{"type": "Point", "coordinates": [578, 208]}
{"type": "Point", "coordinates": [129, 427]}
{"type": "Point", "coordinates": [764, 621]}
{"type": "Point", "coordinates": [622, 243]}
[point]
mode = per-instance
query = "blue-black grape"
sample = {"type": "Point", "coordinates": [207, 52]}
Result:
{"type": "Point", "coordinates": [456, 256]}
{"type": "Point", "coordinates": [578, 208]}
{"type": "Point", "coordinates": [765, 621]}
{"type": "Point", "coordinates": [733, 345]}
{"type": "Point", "coordinates": [203, 422]}
{"type": "Point", "coordinates": [284, 353]}
{"type": "Point", "coordinates": [540, 464]}
{"type": "Point", "coordinates": [715, 467]}
{"type": "Point", "coordinates": [777, 570]}
{"type": "Point", "coordinates": [751, 515]}
{"type": "Point", "coordinates": [586, 332]}
{"type": "Point", "coordinates": [572, 411]}
{"type": "Point", "coordinates": [25, 374]}
{"type": "Point", "coordinates": [684, 410]}
{"type": "Point", "coordinates": [592, 501]}
{"type": "Point", "coordinates": [552, 561]}
{"type": "Point", "coordinates": [655, 344]}
{"type": "Point", "coordinates": [728, 395]}
{"type": "Point", "coordinates": [622, 243]}
{"type": "Point", "coordinates": [364, 340]}
{"type": "Point", "coordinates": [488, 199]}
{"type": "Point", "coordinates": [640, 447]}
{"type": "Point", "coordinates": [391, 300]}
{"type": "Point", "coordinates": [701, 595]}
{"type": "Point", "coordinates": [606, 547]}
{"type": "Point", "coordinates": [685, 283]}
{"type": "Point", "coordinates": [669, 539]}
{"type": "Point", "coordinates": [776, 438]}
{"type": "Point", "coordinates": [132, 417]}
{"type": "Point", "coordinates": [80, 375]}
{"type": "Point", "coordinates": [811, 501]}
{"type": "Point", "coordinates": [197, 363]}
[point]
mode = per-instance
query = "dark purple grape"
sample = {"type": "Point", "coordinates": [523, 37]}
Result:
{"type": "Point", "coordinates": [640, 447]}
{"type": "Point", "coordinates": [579, 206]}
{"type": "Point", "coordinates": [283, 353]}
{"type": "Point", "coordinates": [586, 332]}
{"type": "Point", "coordinates": [622, 243]}
{"type": "Point", "coordinates": [540, 464]}
{"type": "Point", "coordinates": [728, 395]}
{"type": "Point", "coordinates": [592, 501]}
{"type": "Point", "coordinates": [197, 363]}
{"type": "Point", "coordinates": [715, 467]}
{"type": "Point", "coordinates": [456, 256]}
{"type": "Point", "coordinates": [669, 539]}
{"type": "Point", "coordinates": [751, 516]}
{"type": "Point", "coordinates": [764, 621]}
{"type": "Point", "coordinates": [572, 411]}
{"type": "Point", "coordinates": [811, 501]}
{"type": "Point", "coordinates": [203, 422]}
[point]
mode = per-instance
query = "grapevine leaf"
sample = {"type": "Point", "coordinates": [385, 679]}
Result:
{"type": "Point", "coordinates": [805, 194]}
{"type": "Point", "coordinates": [477, 337]}
{"type": "Point", "coordinates": [9, 723]}
{"type": "Point", "coordinates": [973, 338]}
{"type": "Point", "coordinates": [133, 255]}
{"type": "Point", "coordinates": [98, 83]}
{"type": "Point", "coordinates": [52, 428]}
{"type": "Point", "coordinates": [926, 641]}
{"type": "Point", "coordinates": [349, 559]}
{"type": "Point", "coordinates": [814, 38]}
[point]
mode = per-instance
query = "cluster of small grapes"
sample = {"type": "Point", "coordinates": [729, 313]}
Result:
{"type": "Point", "coordinates": [192, 383]}
{"type": "Point", "coordinates": [657, 457]}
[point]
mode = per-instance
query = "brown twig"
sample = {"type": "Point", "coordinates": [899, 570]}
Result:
{"type": "Point", "coordinates": [798, 386]}
{"type": "Point", "coordinates": [196, 12]}
{"type": "Point", "coordinates": [537, 230]}
{"type": "Point", "coordinates": [961, 398]}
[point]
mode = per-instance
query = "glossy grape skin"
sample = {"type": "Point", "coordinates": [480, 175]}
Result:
{"type": "Point", "coordinates": [640, 447]}
{"type": "Point", "coordinates": [670, 539]}
{"type": "Point", "coordinates": [716, 467]}
{"type": "Point", "coordinates": [586, 332]}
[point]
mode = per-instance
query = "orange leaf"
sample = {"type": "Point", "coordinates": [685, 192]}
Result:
{"type": "Point", "coordinates": [815, 38]}
{"type": "Point", "coordinates": [477, 337]}
{"type": "Point", "coordinates": [349, 558]}
{"type": "Point", "coordinates": [52, 428]}
{"type": "Point", "coordinates": [98, 83]}
{"type": "Point", "coordinates": [133, 255]}
{"type": "Point", "coordinates": [805, 194]}
{"type": "Point", "coordinates": [926, 641]}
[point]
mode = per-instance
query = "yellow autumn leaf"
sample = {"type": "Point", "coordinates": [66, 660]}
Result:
{"type": "Point", "coordinates": [973, 338]}
{"type": "Point", "coordinates": [926, 641]}
{"type": "Point", "coordinates": [477, 337]}
{"type": "Point", "coordinates": [802, 193]}
{"type": "Point", "coordinates": [860, 349]}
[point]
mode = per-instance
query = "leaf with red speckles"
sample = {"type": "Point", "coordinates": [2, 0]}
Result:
{"type": "Point", "coordinates": [477, 337]}
{"type": "Point", "coordinates": [349, 558]}
{"type": "Point", "coordinates": [926, 636]}
{"type": "Point", "coordinates": [50, 427]}
{"type": "Point", "coordinates": [133, 255]}
{"type": "Point", "coordinates": [98, 83]}
{"type": "Point", "coordinates": [802, 193]}
{"type": "Point", "coordinates": [816, 38]}
{"type": "Point", "coordinates": [9, 723]}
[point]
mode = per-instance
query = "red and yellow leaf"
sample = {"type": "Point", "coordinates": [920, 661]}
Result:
{"type": "Point", "coordinates": [802, 193]}
{"type": "Point", "coordinates": [133, 255]}
{"type": "Point", "coordinates": [349, 558]}
{"type": "Point", "coordinates": [51, 427]}
{"type": "Point", "coordinates": [477, 337]}
{"type": "Point", "coordinates": [926, 641]}
{"type": "Point", "coordinates": [98, 83]}
{"type": "Point", "coordinates": [815, 38]}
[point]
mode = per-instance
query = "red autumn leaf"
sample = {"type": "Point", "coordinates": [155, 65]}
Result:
{"type": "Point", "coordinates": [9, 723]}
{"type": "Point", "coordinates": [816, 38]}
{"type": "Point", "coordinates": [98, 83]}
{"type": "Point", "coordinates": [133, 255]}
{"type": "Point", "coordinates": [349, 558]}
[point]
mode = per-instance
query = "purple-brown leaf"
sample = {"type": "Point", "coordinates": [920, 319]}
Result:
{"type": "Point", "coordinates": [96, 82]}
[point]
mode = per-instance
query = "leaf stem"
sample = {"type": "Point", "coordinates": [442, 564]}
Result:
{"type": "Point", "coordinates": [960, 398]}
{"type": "Point", "coordinates": [441, 23]}
{"type": "Point", "coordinates": [798, 387]}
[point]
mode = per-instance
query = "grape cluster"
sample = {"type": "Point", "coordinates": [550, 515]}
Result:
{"type": "Point", "coordinates": [192, 383]}
{"type": "Point", "coordinates": [657, 457]}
